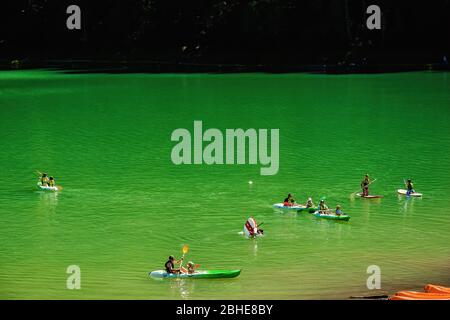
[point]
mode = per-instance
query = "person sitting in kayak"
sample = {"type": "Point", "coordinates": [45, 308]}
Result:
{"type": "Point", "coordinates": [190, 267]}
{"type": "Point", "coordinates": [409, 187]}
{"type": "Point", "coordinates": [44, 180]}
{"type": "Point", "coordinates": [253, 231]}
{"type": "Point", "coordinates": [323, 208]}
{"type": "Point", "coordinates": [170, 265]}
{"type": "Point", "coordinates": [338, 210]}
{"type": "Point", "coordinates": [310, 203]}
{"type": "Point", "coordinates": [365, 185]}
{"type": "Point", "coordinates": [51, 182]}
{"type": "Point", "coordinates": [289, 201]}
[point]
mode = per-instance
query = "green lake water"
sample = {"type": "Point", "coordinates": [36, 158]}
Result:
{"type": "Point", "coordinates": [125, 206]}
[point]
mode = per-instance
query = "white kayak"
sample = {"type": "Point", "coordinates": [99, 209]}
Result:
{"type": "Point", "coordinates": [46, 188]}
{"type": "Point", "coordinates": [404, 192]}
{"type": "Point", "coordinates": [296, 207]}
{"type": "Point", "coordinates": [198, 274]}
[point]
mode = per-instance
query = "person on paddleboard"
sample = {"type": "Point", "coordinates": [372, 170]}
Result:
{"type": "Point", "coordinates": [365, 185]}
{"type": "Point", "coordinates": [310, 203]}
{"type": "Point", "coordinates": [170, 265]}
{"type": "Point", "coordinates": [409, 187]}
{"type": "Point", "coordinates": [323, 208]}
{"type": "Point", "coordinates": [289, 201]}
{"type": "Point", "coordinates": [44, 180]}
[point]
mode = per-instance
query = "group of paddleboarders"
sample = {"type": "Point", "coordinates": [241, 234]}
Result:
{"type": "Point", "coordinates": [170, 266]}
{"type": "Point", "coordinates": [47, 181]}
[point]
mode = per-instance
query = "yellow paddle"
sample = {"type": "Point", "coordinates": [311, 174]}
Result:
{"type": "Point", "coordinates": [185, 250]}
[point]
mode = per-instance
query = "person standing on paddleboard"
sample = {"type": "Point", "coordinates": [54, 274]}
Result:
{"type": "Point", "coordinates": [323, 208]}
{"type": "Point", "coordinates": [51, 182]}
{"type": "Point", "coordinates": [365, 185]}
{"type": "Point", "coordinates": [409, 187]}
{"type": "Point", "coordinates": [170, 265]}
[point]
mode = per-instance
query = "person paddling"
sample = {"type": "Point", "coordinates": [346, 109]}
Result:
{"type": "Point", "coordinates": [44, 180]}
{"type": "Point", "coordinates": [409, 187]}
{"type": "Point", "coordinates": [170, 265]}
{"type": "Point", "coordinates": [365, 185]}
{"type": "Point", "coordinates": [190, 267]}
{"type": "Point", "coordinates": [310, 203]}
{"type": "Point", "coordinates": [289, 201]}
{"type": "Point", "coordinates": [51, 182]}
{"type": "Point", "coordinates": [338, 210]}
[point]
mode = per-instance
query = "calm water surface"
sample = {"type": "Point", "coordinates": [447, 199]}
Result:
{"type": "Point", "coordinates": [125, 207]}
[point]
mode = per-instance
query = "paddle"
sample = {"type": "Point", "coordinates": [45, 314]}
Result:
{"type": "Point", "coordinates": [185, 250]}
{"type": "Point", "coordinates": [353, 193]}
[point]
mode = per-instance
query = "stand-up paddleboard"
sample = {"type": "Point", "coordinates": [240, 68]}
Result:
{"type": "Point", "coordinates": [200, 274]}
{"type": "Point", "coordinates": [370, 196]}
{"type": "Point", "coordinates": [251, 228]}
{"type": "Point", "coordinates": [404, 192]}
{"type": "Point", "coordinates": [331, 216]}
{"type": "Point", "coordinates": [46, 188]}
{"type": "Point", "coordinates": [297, 207]}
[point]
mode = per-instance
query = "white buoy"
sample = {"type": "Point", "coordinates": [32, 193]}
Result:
{"type": "Point", "coordinates": [250, 182]}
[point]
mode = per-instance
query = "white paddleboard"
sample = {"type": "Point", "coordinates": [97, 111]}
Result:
{"type": "Point", "coordinates": [250, 228]}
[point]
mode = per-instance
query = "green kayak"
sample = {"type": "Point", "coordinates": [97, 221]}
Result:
{"type": "Point", "coordinates": [331, 216]}
{"type": "Point", "coordinates": [200, 274]}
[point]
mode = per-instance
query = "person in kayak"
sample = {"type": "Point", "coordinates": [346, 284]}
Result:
{"type": "Point", "coordinates": [190, 267]}
{"type": "Point", "coordinates": [289, 201]}
{"type": "Point", "coordinates": [170, 265]}
{"type": "Point", "coordinates": [409, 187]}
{"type": "Point", "coordinates": [310, 203]}
{"type": "Point", "coordinates": [338, 210]}
{"type": "Point", "coordinates": [323, 208]}
{"type": "Point", "coordinates": [365, 185]}
{"type": "Point", "coordinates": [44, 180]}
{"type": "Point", "coordinates": [51, 182]}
